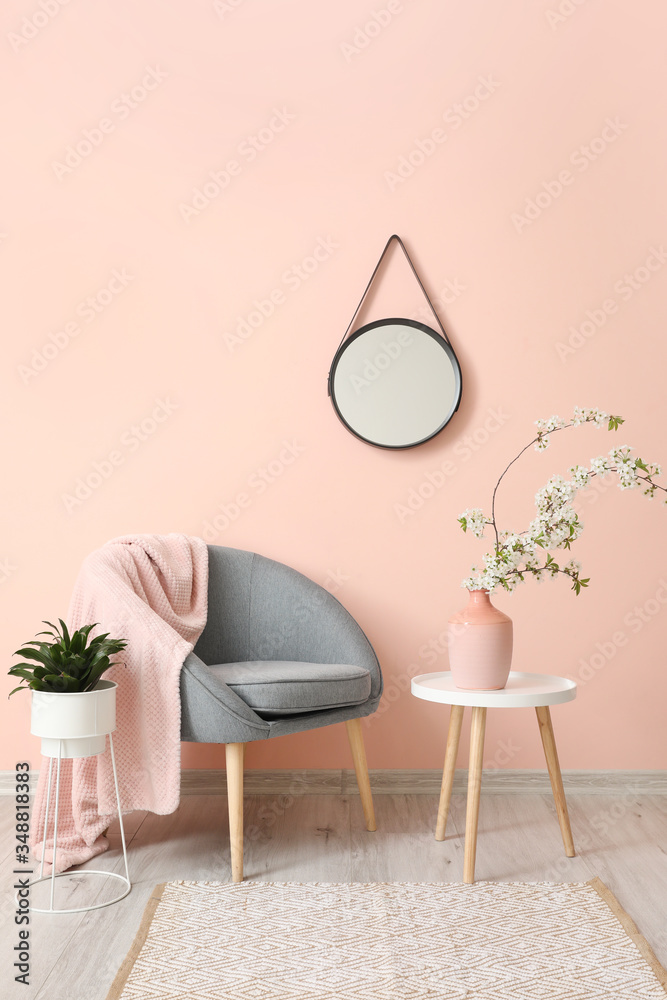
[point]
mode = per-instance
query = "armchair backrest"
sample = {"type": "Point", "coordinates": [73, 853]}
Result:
{"type": "Point", "coordinates": [259, 609]}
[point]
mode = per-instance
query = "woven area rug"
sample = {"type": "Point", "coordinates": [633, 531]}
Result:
{"type": "Point", "coordinates": [387, 941]}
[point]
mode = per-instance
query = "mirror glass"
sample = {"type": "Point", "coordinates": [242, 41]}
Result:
{"type": "Point", "coordinates": [395, 383]}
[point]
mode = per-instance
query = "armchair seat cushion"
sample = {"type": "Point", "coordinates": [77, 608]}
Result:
{"type": "Point", "coordinates": [275, 688]}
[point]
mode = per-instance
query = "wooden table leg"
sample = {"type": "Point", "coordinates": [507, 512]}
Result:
{"type": "Point", "coordinates": [551, 754]}
{"type": "Point", "coordinates": [453, 736]}
{"type": "Point", "coordinates": [474, 787]}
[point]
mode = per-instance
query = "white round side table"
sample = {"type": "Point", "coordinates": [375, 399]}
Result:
{"type": "Point", "coordinates": [522, 690]}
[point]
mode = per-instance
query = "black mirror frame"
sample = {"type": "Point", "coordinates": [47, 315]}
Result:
{"type": "Point", "coordinates": [447, 348]}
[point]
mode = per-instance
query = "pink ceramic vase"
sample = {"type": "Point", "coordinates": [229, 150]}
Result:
{"type": "Point", "coordinates": [480, 645]}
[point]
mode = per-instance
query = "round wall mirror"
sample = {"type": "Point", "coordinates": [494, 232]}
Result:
{"type": "Point", "coordinates": [395, 383]}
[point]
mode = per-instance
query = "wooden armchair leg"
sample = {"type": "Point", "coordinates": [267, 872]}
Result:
{"type": "Point", "coordinates": [356, 739]}
{"type": "Point", "coordinates": [234, 758]}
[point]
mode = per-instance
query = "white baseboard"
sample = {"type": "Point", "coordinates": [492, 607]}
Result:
{"type": "Point", "coordinates": [200, 781]}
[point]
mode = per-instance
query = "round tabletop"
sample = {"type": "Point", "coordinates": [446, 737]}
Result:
{"type": "Point", "coordinates": [521, 691]}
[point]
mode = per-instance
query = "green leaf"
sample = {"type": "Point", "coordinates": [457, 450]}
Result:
{"type": "Point", "coordinates": [98, 656]}
{"type": "Point", "coordinates": [99, 639]}
{"type": "Point", "coordinates": [21, 670]}
{"type": "Point", "coordinates": [35, 654]}
{"type": "Point", "coordinates": [51, 678]}
{"type": "Point", "coordinates": [71, 683]}
{"type": "Point", "coordinates": [54, 682]}
{"type": "Point", "coordinates": [21, 687]}
{"type": "Point", "coordinates": [84, 633]}
{"type": "Point", "coordinates": [95, 675]}
{"type": "Point", "coordinates": [68, 662]}
{"type": "Point", "coordinates": [78, 642]}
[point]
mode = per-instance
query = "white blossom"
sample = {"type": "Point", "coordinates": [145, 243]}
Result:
{"type": "Point", "coordinates": [475, 519]}
{"type": "Point", "coordinates": [583, 415]}
{"type": "Point", "coordinates": [556, 524]}
{"type": "Point", "coordinates": [580, 476]}
{"type": "Point", "coordinates": [599, 466]}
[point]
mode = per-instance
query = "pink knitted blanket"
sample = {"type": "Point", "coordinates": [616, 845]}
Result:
{"type": "Point", "coordinates": [152, 591]}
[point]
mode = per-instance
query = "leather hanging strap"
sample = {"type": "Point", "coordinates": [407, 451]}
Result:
{"type": "Point", "coordinates": [412, 267]}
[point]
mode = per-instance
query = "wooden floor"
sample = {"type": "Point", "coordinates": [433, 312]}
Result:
{"type": "Point", "coordinates": [322, 838]}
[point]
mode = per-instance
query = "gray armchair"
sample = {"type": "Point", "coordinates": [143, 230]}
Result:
{"type": "Point", "coordinates": [279, 654]}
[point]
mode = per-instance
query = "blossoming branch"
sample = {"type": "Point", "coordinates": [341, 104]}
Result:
{"type": "Point", "coordinates": [516, 556]}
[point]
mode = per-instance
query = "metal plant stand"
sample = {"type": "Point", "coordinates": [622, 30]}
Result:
{"type": "Point", "coordinates": [88, 718]}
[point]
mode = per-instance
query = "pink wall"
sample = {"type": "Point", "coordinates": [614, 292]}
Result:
{"type": "Point", "coordinates": [129, 297]}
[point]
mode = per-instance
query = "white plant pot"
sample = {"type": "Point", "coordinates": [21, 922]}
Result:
{"type": "Point", "coordinates": [74, 725]}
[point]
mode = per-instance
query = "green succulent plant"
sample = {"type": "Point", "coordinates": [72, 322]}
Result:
{"type": "Point", "coordinates": [66, 663]}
